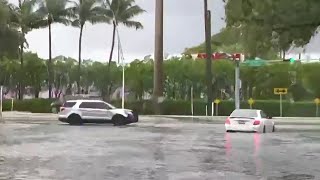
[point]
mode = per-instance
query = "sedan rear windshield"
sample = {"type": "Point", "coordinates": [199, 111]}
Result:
{"type": "Point", "coordinates": [69, 104]}
{"type": "Point", "coordinates": [244, 114]}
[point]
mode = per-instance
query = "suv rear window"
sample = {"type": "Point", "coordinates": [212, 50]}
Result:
{"type": "Point", "coordinates": [69, 104]}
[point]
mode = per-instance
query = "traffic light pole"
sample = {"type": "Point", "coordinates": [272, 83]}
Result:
{"type": "Point", "coordinates": [237, 85]}
{"type": "Point", "coordinates": [280, 105]}
{"type": "Point", "coordinates": [207, 16]}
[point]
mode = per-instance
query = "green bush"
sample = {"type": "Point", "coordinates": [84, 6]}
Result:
{"type": "Point", "coordinates": [271, 107]}
{"type": "Point", "coordinates": [32, 105]}
{"type": "Point", "coordinates": [180, 107]}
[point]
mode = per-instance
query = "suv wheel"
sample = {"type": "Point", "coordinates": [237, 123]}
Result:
{"type": "Point", "coordinates": [75, 119]}
{"type": "Point", "coordinates": [118, 120]}
{"type": "Point", "coordinates": [135, 115]}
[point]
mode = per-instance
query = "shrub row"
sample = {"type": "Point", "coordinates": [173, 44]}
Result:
{"type": "Point", "coordinates": [30, 105]}
{"type": "Point", "coordinates": [180, 107]}
{"type": "Point", "coordinates": [272, 108]}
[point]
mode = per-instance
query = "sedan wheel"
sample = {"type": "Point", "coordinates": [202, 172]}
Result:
{"type": "Point", "coordinates": [273, 128]}
{"type": "Point", "coordinates": [264, 129]}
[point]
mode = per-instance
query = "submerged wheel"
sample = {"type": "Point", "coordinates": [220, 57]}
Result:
{"type": "Point", "coordinates": [75, 119]}
{"type": "Point", "coordinates": [135, 115]}
{"type": "Point", "coordinates": [273, 128]}
{"type": "Point", "coordinates": [264, 129]}
{"type": "Point", "coordinates": [118, 120]}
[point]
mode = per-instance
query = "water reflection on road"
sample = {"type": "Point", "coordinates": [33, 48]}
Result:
{"type": "Point", "coordinates": [157, 150]}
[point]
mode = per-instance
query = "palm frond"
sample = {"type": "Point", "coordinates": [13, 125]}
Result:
{"type": "Point", "coordinates": [134, 24]}
{"type": "Point", "coordinates": [76, 23]}
{"type": "Point", "coordinates": [132, 12]}
{"type": "Point", "coordinates": [55, 11]}
{"type": "Point", "coordinates": [41, 23]}
{"type": "Point", "coordinates": [108, 13]}
{"type": "Point", "coordinates": [91, 11]}
{"type": "Point", "coordinates": [62, 20]}
{"type": "Point", "coordinates": [99, 19]}
{"type": "Point", "coordinates": [124, 11]}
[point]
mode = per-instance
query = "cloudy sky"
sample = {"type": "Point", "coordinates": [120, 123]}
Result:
{"type": "Point", "coordinates": [183, 27]}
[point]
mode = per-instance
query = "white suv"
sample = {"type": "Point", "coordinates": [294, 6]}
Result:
{"type": "Point", "coordinates": [77, 112]}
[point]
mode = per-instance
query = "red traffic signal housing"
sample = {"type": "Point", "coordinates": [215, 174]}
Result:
{"type": "Point", "coordinates": [219, 56]}
{"type": "Point", "coordinates": [236, 56]}
{"type": "Point", "coordinates": [203, 56]}
{"type": "Point", "coordinates": [215, 56]}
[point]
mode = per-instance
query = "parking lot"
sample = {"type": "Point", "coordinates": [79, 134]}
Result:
{"type": "Point", "coordinates": [157, 149]}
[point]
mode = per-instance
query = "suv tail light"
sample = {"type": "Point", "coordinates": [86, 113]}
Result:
{"type": "Point", "coordinates": [227, 120]}
{"type": "Point", "coordinates": [256, 122]}
{"type": "Point", "coordinates": [62, 109]}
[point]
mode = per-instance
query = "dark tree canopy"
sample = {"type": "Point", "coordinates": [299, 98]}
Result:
{"type": "Point", "coordinates": [262, 28]}
{"type": "Point", "coordinates": [280, 23]}
{"type": "Point", "coordinates": [9, 36]}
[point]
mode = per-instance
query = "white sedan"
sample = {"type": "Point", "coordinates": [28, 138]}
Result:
{"type": "Point", "coordinates": [249, 120]}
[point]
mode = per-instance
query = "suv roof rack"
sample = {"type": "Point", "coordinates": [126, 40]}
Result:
{"type": "Point", "coordinates": [82, 97]}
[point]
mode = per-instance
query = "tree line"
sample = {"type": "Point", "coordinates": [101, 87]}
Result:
{"type": "Point", "coordinates": [182, 74]}
{"type": "Point", "coordinates": [16, 21]}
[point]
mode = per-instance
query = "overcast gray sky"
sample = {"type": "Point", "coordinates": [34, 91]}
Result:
{"type": "Point", "coordinates": [183, 27]}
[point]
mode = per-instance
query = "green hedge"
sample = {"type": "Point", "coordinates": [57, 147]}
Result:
{"type": "Point", "coordinates": [180, 107]}
{"type": "Point", "coordinates": [32, 105]}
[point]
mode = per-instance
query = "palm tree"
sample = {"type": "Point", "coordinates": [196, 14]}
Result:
{"type": "Point", "coordinates": [53, 11]}
{"type": "Point", "coordinates": [86, 11]}
{"type": "Point", "coordinates": [122, 12]}
{"type": "Point", "coordinates": [158, 57]}
{"type": "Point", "coordinates": [9, 34]}
{"type": "Point", "coordinates": [26, 19]}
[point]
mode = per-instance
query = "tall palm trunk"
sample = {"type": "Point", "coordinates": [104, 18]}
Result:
{"type": "Point", "coordinates": [110, 59]}
{"type": "Point", "coordinates": [79, 63]}
{"type": "Point", "coordinates": [113, 43]}
{"type": "Point", "coordinates": [50, 64]}
{"type": "Point", "coordinates": [158, 57]}
{"type": "Point", "coordinates": [21, 85]}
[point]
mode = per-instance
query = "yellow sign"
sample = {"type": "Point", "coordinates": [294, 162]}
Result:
{"type": "Point", "coordinates": [217, 101]}
{"type": "Point", "coordinates": [317, 101]}
{"type": "Point", "coordinates": [250, 101]}
{"type": "Point", "coordinates": [280, 91]}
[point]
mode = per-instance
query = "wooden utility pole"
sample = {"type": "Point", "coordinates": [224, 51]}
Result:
{"type": "Point", "coordinates": [1, 102]}
{"type": "Point", "coordinates": [207, 20]}
{"type": "Point", "coordinates": [158, 57]}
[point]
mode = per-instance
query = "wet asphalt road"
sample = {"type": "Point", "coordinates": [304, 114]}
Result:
{"type": "Point", "coordinates": [159, 149]}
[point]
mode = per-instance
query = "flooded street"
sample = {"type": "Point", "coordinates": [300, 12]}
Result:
{"type": "Point", "coordinates": [159, 149]}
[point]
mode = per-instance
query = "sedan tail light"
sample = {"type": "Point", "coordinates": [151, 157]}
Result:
{"type": "Point", "coordinates": [256, 122]}
{"type": "Point", "coordinates": [227, 120]}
